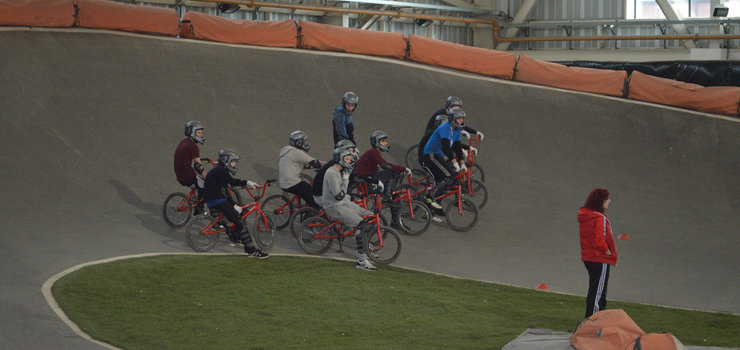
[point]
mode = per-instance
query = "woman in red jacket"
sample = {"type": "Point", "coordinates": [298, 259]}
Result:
{"type": "Point", "coordinates": [598, 250]}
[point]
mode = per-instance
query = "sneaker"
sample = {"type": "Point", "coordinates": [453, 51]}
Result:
{"type": "Point", "coordinates": [365, 265]}
{"type": "Point", "coordinates": [257, 254]}
{"type": "Point", "coordinates": [434, 204]}
{"type": "Point", "coordinates": [396, 226]}
{"type": "Point", "coordinates": [236, 244]}
{"type": "Point", "coordinates": [437, 219]}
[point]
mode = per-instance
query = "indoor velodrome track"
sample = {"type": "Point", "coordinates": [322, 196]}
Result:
{"type": "Point", "coordinates": [90, 120]}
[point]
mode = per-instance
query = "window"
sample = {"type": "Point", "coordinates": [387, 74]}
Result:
{"type": "Point", "coordinates": [649, 9]}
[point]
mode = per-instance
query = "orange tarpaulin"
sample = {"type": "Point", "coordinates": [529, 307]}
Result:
{"type": "Point", "coordinates": [466, 58]}
{"type": "Point", "coordinates": [598, 81]}
{"type": "Point", "coordinates": [37, 13]}
{"type": "Point", "coordinates": [606, 330]}
{"type": "Point", "coordinates": [325, 37]}
{"type": "Point", "coordinates": [207, 27]}
{"type": "Point", "coordinates": [103, 14]}
{"type": "Point", "coordinates": [716, 99]}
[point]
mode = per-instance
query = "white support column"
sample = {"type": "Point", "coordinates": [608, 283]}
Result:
{"type": "Point", "coordinates": [715, 29]}
{"type": "Point", "coordinates": [671, 15]}
{"type": "Point", "coordinates": [714, 52]}
{"type": "Point", "coordinates": [483, 34]}
{"type": "Point", "coordinates": [338, 19]}
{"type": "Point", "coordinates": [520, 16]}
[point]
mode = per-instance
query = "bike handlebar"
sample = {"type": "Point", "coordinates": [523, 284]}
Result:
{"type": "Point", "coordinates": [263, 188]}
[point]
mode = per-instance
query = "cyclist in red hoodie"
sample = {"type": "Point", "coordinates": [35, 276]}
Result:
{"type": "Point", "coordinates": [598, 249]}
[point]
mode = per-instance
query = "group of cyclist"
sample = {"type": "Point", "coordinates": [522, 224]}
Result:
{"type": "Point", "coordinates": [440, 153]}
{"type": "Point", "coordinates": [212, 186]}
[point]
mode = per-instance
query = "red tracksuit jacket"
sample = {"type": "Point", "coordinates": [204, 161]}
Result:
{"type": "Point", "coordinates": [596, 237]}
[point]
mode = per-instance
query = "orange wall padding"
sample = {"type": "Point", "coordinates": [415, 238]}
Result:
{"type": "Point", "coordinates": [715, 99]}
{"type": "Point", "coordinates": [103, 14]}
{"type": "Point", "coordinates": [598, 81]}
{"type": "Point", "coordinates": [325, 37]}
{"type": "Point", "coordinates": [466, 58]}
{"type": "Point", "coordinates": [37, 13]}
{"type": "Point", "coordinates": [214, 28]}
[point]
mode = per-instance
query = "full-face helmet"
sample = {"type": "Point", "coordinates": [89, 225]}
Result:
{"type": "Point", "coordinates": [375, 140]}
{"type": "Point", "coordinates": [453, 101]}
{"type": "Point", "coordinates": [453, 115]}
{"type": "Point", "coordinates": [340, 154]}
{"type": "Point", "coordinates": [299, 139]}
{"type": "Point", "coordinates": [347, 144]}
{"type": "Point", "coordinates": [351, 98]}
{"type": "Point", "coordinates": [190, 130]}
{"type": "Point", "coordinates": [225, 157]}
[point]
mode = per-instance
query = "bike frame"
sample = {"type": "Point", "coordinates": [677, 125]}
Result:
{"type": "Point", "coordinates": [255, 208]}
{"type": "Point", "coordinates": [456, 190]}
{"type": "Point", "coordinates": [404, 195]}
{"type": "Point", "coordinates": [296, 200]}
{"type": "Point", "coordinates": [182, 205]}
{"type": "Point", "coordinates": [469, 161]}
{"type": "Point", "coordinates": [336, 223]}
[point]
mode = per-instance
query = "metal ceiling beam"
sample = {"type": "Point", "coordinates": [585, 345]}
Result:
{"type": "Point", "coordinates": [616, 22]}
{"type": "Point", "coordinates": [520, 16]}
{"type": "Point", "coordinates": [671, 15]}
{"type": "Point", "coordinates": [461, 3]}
{"type": "Point", "coordinates": [421, 6]}
{"type": "Point", "coordinates": [370, 21]}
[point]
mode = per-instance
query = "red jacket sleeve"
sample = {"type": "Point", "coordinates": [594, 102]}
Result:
{"type": "Point", "coordinates": [600, 235]}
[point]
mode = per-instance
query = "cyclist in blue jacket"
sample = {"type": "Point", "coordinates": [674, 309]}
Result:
{"type": "Point", "coordinates": [342, 123]}
{"type": "Point", "coordinates": [443, 150]}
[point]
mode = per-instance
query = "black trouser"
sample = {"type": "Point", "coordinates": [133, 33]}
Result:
{"type": "Point", "coordinates": [598, 277]}
{"type": "Point", "coordinates": [389, 178]}
{"type": "Point", "coordinates": [434, 166]}
{"type": "Point", "coordinates": [194, 184]}
{"type": "Point", "coordinates": [303, 190]}
{"type": "Point", "coordinates": [239, 230]}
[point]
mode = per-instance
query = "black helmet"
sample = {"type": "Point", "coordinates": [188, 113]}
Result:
{"type": "Point", "coordinates": [375, 140]}
{"type": "Point", "coordinates": [453, 115]}
{"type": "Point", "coordinates": [225, 157]}
{"type": "Point", "coordinates": [453, 101]}
{"type": "Point", "coordinates": [351, 98]}
{"type": "Point", "coordinates": [191, 127]}
{"type": "Point", "coordinates": [299, 139]}
{"type": "Point", "coordinates": [340, 153]}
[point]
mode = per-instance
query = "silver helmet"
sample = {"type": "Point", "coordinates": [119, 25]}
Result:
{"type": "Point", "coordinates": [453, 115]}
{"type": "Point", "coordinates": [375, 140]}
{"type": "Point", "coordinates": [340, 153]}
{"type": "Point", "coordinates": [191, 127]}
{"type": "Point", "coordinates": [299, 139]}
{"type": "Point", "coordinates": [453, 101]}
{"type": "Point", "coordinates": [225, 157]}
{"type": "Point", "coordinates": [347, 144]}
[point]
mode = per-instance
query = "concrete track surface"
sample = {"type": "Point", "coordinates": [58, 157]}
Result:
{"type": "Point", "coordinates": [90, 121]}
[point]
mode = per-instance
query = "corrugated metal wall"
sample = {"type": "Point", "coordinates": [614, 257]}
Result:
{"type": "Point", "coordinates": [564, 10]}
{"type": "Point", "coordinates": [543, 10]}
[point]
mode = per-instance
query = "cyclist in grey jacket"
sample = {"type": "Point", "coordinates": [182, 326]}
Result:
{"type": "Point", "coordinates": [338, 205]}
{"type": "Point", "coordinates": [293, 159]}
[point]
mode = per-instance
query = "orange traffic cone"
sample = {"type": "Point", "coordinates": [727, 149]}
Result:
{"type": "Point", "coordinates": [624, 237]}
{"type": "Point", "coordinates": [542, 286]}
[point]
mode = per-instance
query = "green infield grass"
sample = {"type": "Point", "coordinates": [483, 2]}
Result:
{"type": "Point", "coordinates": [232, 302]}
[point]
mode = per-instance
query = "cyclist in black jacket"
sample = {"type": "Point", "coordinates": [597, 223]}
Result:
{"type": "Point", "coordinates": [216, 183]}
{"type": "Point", "coordinates": [450, 103]}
